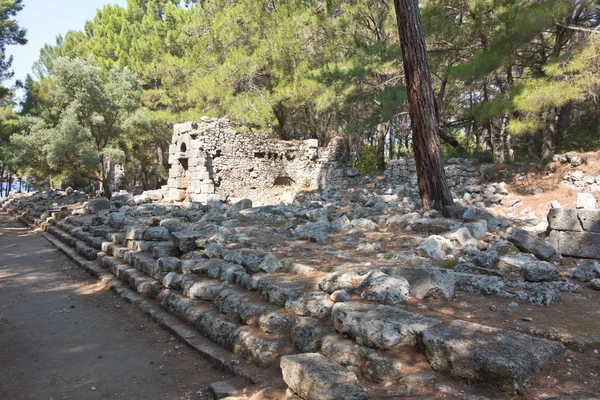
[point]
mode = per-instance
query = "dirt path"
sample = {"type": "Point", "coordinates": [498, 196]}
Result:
{"type": "Point", "coordinates": [64, 337]}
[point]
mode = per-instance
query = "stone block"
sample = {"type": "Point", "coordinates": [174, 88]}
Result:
{"type": "Point", "coordinates": [497, 356]}
{"type": "Point", "coordinates": [315, 377]}
{"type": "Point", "coordinates": [590, 220]}
{"type": "Point", "coordinates": [429, 282]}
{"type": "Point", "coordinates": [379, 326]}
{"type": "Point", "coordinates": [185, 240]}
{"type": "Point", "coordinates": [564, 219]}
{"type": "Point", "coordinates": [577, 244]}
{"type": "Point", "coordinates": [586, 201]}
{"type": "Point", "coordinates": [532, 244]}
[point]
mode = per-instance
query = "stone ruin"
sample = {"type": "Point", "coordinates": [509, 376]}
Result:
{"type": "Point", "coordinates": [576, 232]}
{"type": "Point", "coordinates": [214, 160]}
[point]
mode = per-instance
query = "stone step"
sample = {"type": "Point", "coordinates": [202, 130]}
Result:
{"type": "Point", "coordinates": [135, 278]}
{"type": "Point", "coordinates": [379, 326]}
{"type": "Point", "coordinates": [249, 342]}
{"type": "Point", "coordinates": [313, 376]}
{"type": "Point", "coordinates": [501, 357]}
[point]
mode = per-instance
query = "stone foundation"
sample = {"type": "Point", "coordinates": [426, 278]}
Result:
{"type": "Point", "coordinates": [576, 233]}
{"type": "Point", "coordinates": [214, 160]}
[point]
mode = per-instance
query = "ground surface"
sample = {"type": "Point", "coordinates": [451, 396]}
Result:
{"type": "Point", "coordinates": [64, 337]}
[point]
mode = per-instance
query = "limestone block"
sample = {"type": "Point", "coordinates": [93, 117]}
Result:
{"type": "Point", "coordinates": [315, 377]}
{"type": "Point", "coordinates": [565, 219]}
{"type": "Point", "coordinates": [501, 357]}
{"type": "Point", "coordinates": [586, 201]}
{"type": "Point", "coordinates": [590, 220]}
{"type": "Point", "coordinates": [577, 244]}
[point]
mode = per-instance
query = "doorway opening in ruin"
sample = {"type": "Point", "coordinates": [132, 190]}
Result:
{"type": "Point", "coordinates": [183, 174]}
{"type": "Point", "coordinates": [283, 181]}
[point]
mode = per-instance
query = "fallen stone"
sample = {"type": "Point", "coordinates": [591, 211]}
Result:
{"type": "Point", "coordinates": [315, 377]}
{"type": "Point", "coordinates": [429, 282]}
{"type": "Point", "coordinates": [515, 263]}
{"type": "Point", "coordinates": [461, 237]}
{"type": "Point", "coordinates": [534, 245]}
{"type": "Point", "coordinates": [501, 357]}
{"type": "Point", "coordinates": [595, 283]}
{"type": "Point", "coordinates": [590, 220]}
{"type": "Point", "coordinates": [310, 304]}
{"type": "Point", "coordinates": [339, 296]}
{"type": "Point", "coordinates": [380, 287]}
{"type": "Point", "coordinates": [307, 334]}
{"type": "Point", "coordinates": [185, 240]}
{"type": "Point", "coordinates": [343, 351]}
{"type": "Point", "coordinates": [436, 247]}
{"type": "Point", "coordinates": [540, 271]}
{"type": "Point", "coordinates": [223, 389]}
{"type": "Point", "coordinates": [586, 271]}
{"type": "Point", "coordinates": [349, 279]}
{"type": "Point", "coordinates": [341, 224]}
{"type": "Point", "coordinates": [379, 326]}
{"type": "Point", "coordinates": [381, 367]}
{"type": "Point", "coordinates": [97, 205]}
{"type": "Point", "coordinates": [586, 201]}
{"type": "Point", "coordinates": [270, 264]}
{"type": "Point", "coordinates": [156, 233]}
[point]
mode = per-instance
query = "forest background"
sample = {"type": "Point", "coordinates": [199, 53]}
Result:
{"type": "Point", "coordinates": [515, 80]}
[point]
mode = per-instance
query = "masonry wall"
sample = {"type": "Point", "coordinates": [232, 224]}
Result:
{"type": "Point", "coordinates": [459, 172]}
{"type": "Point", "coordinates": [576, 233]}
{"type": "Point", "coordinates": [213, 159]}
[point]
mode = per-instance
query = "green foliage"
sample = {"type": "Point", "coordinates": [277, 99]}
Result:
{"type": "Point", "coordinates": [366, 160]}
{"type": "Point", "coordinates": [10, 33]}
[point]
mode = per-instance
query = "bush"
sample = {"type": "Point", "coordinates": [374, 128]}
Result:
{"type": "Point", "coordinates": [366, 161]}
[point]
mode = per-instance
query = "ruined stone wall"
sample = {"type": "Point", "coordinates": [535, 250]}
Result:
{"type": "Point", "coordinates": [575, 232]}
{"type": "Point", "coordinates": [213, 159]}
{"type": "Point", "coordinates": [459, 172]}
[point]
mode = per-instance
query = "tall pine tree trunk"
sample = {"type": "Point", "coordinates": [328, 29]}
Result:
{"type": "Point", "coordinates": [381, 130]}
{"type": "Point", "coordinates": [486, 144]}
{"type": "Point", "coordinates": [424, 117]}
{"type": "Point", "coordinates": [549, 133]}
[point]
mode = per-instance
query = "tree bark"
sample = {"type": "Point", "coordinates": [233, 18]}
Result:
{"type": "Point", "coordinates": [549, 133]}
{"type": "Point", "coordinates": [381, 130]}
{"type": "Point", "coordinates": [486, 144]}
{"type": "Point", "coordinates": [424, 116]}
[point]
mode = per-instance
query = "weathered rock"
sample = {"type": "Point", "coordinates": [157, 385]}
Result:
{"type": "Point", "coordinates": [564, 219]}
{"type": "Point", "coordinates": [344, 352]}
{"type": "Point", "coordinates": [381, 367]}
{"type": "Point", "coordinates": [461, 237]}
{"type": "Point", "coordinates": [404, 220]}
{"type": "Point", "coordinates": [169, 264]}
{"type": "Point", "coordinates": [307, 334]}
{"type": "Point", "coordinates": [478, 229]}
{"type": "Point", "coordinates": [270, 263]}
{"type": "Point", "coordinates": [275, 322]}
{"type": "Point", "coordinates": [577, 244]}
{"type": "Point", "coordinates": [380, 287]}
{"type": "Point", "coordinates": [348, 279]}
{"type": "Point", "coordinates": [314, 231]}
{"type": "Point", "coordinates": [586, 201]}
{"type": "Point", "coordinates": [379, 326]}
{"type": "Point", "coordinates": [364, 223]}
{"type": "Point", "coordinates": [515, 263]}
{"type": "Point", "coordinates": [318, 215]}
{"type": "Point", "coordinates": [239, 206]}
{"type": "Point", "coordinates": [341, 224]}
{"type": "Point", "coordinates": [586, 271]}
{"type": "Point", "coordinates": [185, 240]}
{"type": "Point", "coordinates": [429, 282]}
{"type": "Point", "coordinates": [172, 280]}
{"type": "Point", "coordinates": [590, 220]}
{"type": "Point", "coordinates": [315, 377]}
{"type": "Point", "coordinates": [595, 283]}
{"type": "Point", "coordinates": [436, 247]}
{"type": "Point", "coordinates": [532, 244]}
{"type": "Point", "coordinates": [501, 357]}
{"type": "Point", "coordinates": [310, 304]}
{"type": "Point", "coordinates": [339, 296]}
{"type": "Point", "coordinates": [98, 204]}
{"type": "Point", "coordinates": [540, 271]}
{"type": "Point", "coordinates": [156, 233]}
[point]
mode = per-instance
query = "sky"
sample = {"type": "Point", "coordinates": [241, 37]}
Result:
{"type": "Point", "coordinates": [44, 19]}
